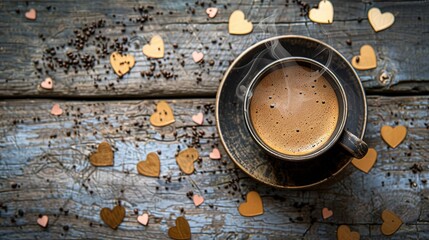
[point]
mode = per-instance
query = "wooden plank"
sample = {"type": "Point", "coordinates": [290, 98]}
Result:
{"type": "Point", "coordinates": [44, 169]}
{"type": "Point", "coordinates": [401, 49]}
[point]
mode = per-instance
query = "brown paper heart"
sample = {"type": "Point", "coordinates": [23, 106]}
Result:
{"type": "Point", "coordinates": [344, 233]}
{"type": "Point", "coordinates": [380, 21]}
{"type": "Point", "coordinates": [393, 136]}
{"type": "Point", "coordinates": [366, 60]}
{"type": "Point", "coordinates": [121, 63]}
{"type": "Point", "coordinates": [391, 223]}
{"type": "Point", "coordinates": [151, 167]}
{"type": "Point", "coordinates": [367, 162]}
{"type": "Point", "coordinates": [186, 158]}
{"type": "Point", "coordinates": [103, 157]}
{"type": "Point", "coordinates": [154, 49]}
{"type": "Point", "coordinates": [323, 14]}
{"type": "Point", "coordinates": [163, 115]}
{"type": "Point", "coordinates": [238, 23]}
{"type": "Point", "coordinates": [113, 217]}
{"type": "Point", "coordinates": [253, 205]}
{"type": "Point", "coordinates": [181, 230]}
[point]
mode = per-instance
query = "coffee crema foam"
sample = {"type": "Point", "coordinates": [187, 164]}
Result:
{"type": "Point", "coordinates": [294, 110]}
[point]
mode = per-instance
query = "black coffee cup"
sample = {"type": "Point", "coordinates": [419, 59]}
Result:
{"type": "Point", "coordinates": [355, 146]}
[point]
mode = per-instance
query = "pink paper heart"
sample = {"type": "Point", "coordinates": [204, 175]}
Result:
{"type": "Point", "coordinates": [326, 213]}
{"type": "Point", "coordinates": [43, 221]}
{"type": "Point", "coordinates": [56, 110]}
{"type": "Point", "coordinates": [143, 219]}
{"type": "Point", "coordinates": [215, 154]}
{"type": "Point", "coordinates": [198, 119]}
{"type": "Point", "coordinates": [47, 83]}
{"type": "Point", "coordinates": [197, 56]}
{"type": "Point", "coordinates": [211, 12]}
{"type": "Point", "coordinates": [31, 14]}
{"type": "Point", "coordinates": [198, 200]}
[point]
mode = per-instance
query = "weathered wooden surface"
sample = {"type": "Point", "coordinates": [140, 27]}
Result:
{"type": "Point", "coordinates": [44, 169]}
{"type": "Point", "coordinates": [402, 49]}
{"type": "Point", "coordinates": [44, 166]}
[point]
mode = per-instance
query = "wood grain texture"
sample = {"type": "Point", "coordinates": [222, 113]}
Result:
{"type": "Point", "coordinates": [401, 50]}
{"type": "Point", "coordinates": [45, 169]}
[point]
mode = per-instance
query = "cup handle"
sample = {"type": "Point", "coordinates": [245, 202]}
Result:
{"type": "Point", "coordinates": [354, 145]}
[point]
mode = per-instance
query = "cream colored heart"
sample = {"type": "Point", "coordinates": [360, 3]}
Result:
{"type": "Point", "coordinates": [367, 162]}
{"type": "Point", "coordinates": [154, 49]}
{"type": "Point", "coordinates": [393, 136]}
{"type": "Point", "coordinates": [326, 213]}
{"type": "Point", "coordinates": [238, 23]}
{"type": "Point", "coordinates": [143, 219]}
{"type": "Point", "coordinates": [323, 14]}
{"type": "Point", "coordinates": [198, 118]}
{"type": "Point", "coordinates": [48, 83]}
{"type": "Point", "coordinates": [366, 60]}
{"type": "Point", "coordinates": [211, 12]}
{"type": "Point", "coordinates": [380, 21]}
{"type": "Point", "coordinates": [215, 154]}
{"type": "Point", "coordinates": [56, 110]}
{"type": "Point", "coordinates": [31, 14]}
{"type": "Point", "coordinates": [43, 221]}
{"type": "Point", "coordinates": [198, 200]}
{"type": "Point", "coordinates": [197, 56]}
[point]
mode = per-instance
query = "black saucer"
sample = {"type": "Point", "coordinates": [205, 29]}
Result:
{"type": "Point", "coordinates": [236, 138]}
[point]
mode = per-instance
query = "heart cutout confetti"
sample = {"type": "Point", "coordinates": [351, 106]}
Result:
{"type": "Point", "coordinates": [43, 221]}
{"type": "Point", "coordinates": [198, 200]}
{"type": "Point", "coordinates": [211, 12]}
{"type": "Point", "coordinates": [151, 167]}
{"type": "Point", "coordinates": [253, 205]}
{"type": "Point", "coordinates": [324, 13]}
{"type": "Point", "coordinates": [154, 49]}
{"type": "Point", "coordinates": [31, 14]}
{"type": "Point", "coordinates": [326, 213]}
{"type": "Point", "coordinates": [121, 63]}
{"type": "Point", "coordinates": [113, 217]}
{"type": "Point", "coordinates": [181, 230]}
{"type": "Point", "coordinates": [47, 83]}
{"type": "Point", "coordinates": [367, 162]}
{"type": "Point", "coordinates": [344, 233]}
{"type": "Point", "coordinates": [238, 24]}
{"type": "Point", "coordinates": [198, 119]}
{"type": "Point", "coordinates": [366, 60]}
{"type": "Point", "coordinates": [143, 219]}
{"type": "Point", "coordinates": [393, 136]}
{"type": "Point", "coordinates": [215, 154]}
{"type": "Point", "coordinates": [103, 157]}
{"type": "Point", "coordinates": [380, 21]}
{"type": "Point", "coordinates": [56, 110]}
{"type": "Point", "coordinates": [163, 115]}
{"type": "Point", "coordinates": [197, 56]}
{"type": "Point", "coordinates": [186, 158]}
{"type": "Point", "coordinates": [391, 222]}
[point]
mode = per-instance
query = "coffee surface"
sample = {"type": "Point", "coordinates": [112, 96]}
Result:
{"type": "Point", "coordinates": [294, 110]}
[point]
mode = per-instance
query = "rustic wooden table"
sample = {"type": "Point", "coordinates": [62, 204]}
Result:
{"type": "Point", "coordinates": [44, 167]}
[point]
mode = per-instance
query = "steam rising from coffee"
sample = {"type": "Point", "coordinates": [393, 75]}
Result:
{"type": "Point", "coordinates": [294, 109]}
{"type": "Point", "coordinates": [268, 28]}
